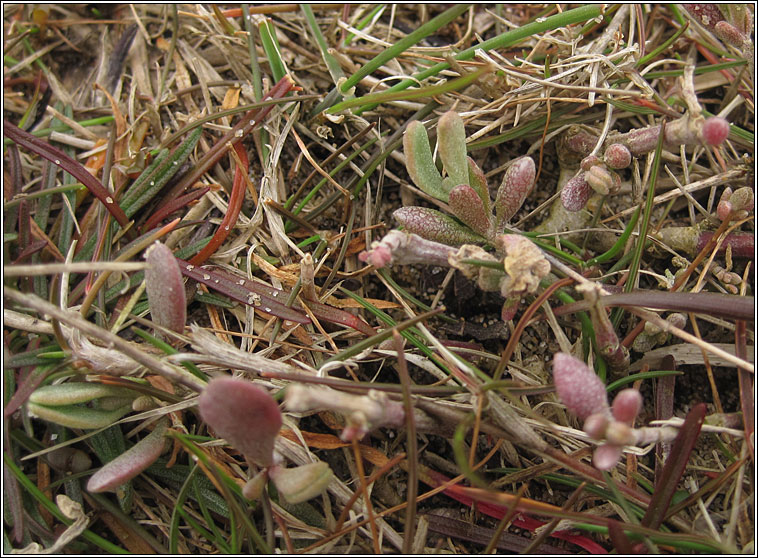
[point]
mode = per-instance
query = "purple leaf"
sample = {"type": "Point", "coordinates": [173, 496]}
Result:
{"type": "Point", "coordinates": [674, 467]}
{"type": "Point", "coordinates": [466, 204]}
{"type": "Point", "coordinates": [165, 288]}
{"type": "Point", "coordinates": [75, 169]}
{"type": "Point", "coordinates": [244, 415]}
{"type": "Point", "coordinates": [517, 183]}
{"type": "Point", "coordinates": [434, 225]}
{"type": "Point", "coordinates": [130, 463]}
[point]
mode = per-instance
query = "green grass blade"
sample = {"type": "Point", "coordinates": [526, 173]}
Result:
{"type": "Point", "coordinates": [402, 45]}
{"type": "Point", "coordinates": [272, 49]}
{"type": "Point", "coordinates": [505, 40]}
{"type": "Point", "coordinates": [335, 70]}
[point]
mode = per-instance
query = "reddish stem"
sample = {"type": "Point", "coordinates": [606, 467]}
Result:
{"type": "Point", "coordinates": [743, 244]}
{"type": "Point", "coordinates": [172, 206]}
{"type": "Point", "coordinates": [74, 168]}
{"type": "Point", "coordinates": [232, 211]}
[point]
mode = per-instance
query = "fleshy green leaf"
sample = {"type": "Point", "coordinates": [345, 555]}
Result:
{"type": "Point", "coordinates": [451, 143]}
{"type": "Point", "coordinates": [420, 163]}
{"type": "Point", "coordinates": [478, 181]}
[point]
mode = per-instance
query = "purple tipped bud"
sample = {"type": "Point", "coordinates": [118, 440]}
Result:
{"type": "Point", "coordinates": [165, 288]}
{"type": "Point", "coordinates": [578, 387]}
{"type": "Point", "coordinates": [243, 414]}
{"type": "Point", "coordinates": [575, 194]}
{"type": "Point", "coordinates": [715, 130]}
{"type": "Point", "coordinates": [606, 457]}
{"type": "Point", "coordinates": [517, 183]}
{"type": "Point", "coordinates": [617, 156]}
{"type": "Point", "coordinates": [626, 405]}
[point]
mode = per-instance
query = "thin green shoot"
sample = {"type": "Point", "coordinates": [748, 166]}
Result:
{"type": "Point", "coordinates": [369, 19]}
{"type": "Point", "coordinates": [335, 70]}
{"type": "Point", "coordinates": [631, 378]}
{"type": "Point", "coordinates": [272, 49]}
{"type": "Point", "coordinates": [505, 40]}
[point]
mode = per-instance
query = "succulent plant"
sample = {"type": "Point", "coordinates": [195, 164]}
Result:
{"type": "Point", "coordinates": [249, 419]}
{"type": "Point", "coordinates": [599, 174]}
{"type": "Point", "coordinates": [585, 396]}
{"type": "Point", "coordinates": [165, 288]}
{"type": "Point", "coordinates": [464, 188]}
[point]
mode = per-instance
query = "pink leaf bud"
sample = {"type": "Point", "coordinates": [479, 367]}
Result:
{"type": "Point", "coordinates": [595, 425]}
{"type": "Point", "coordinates": [617, 156]}
{"type": "Point", "coordinates": [729, 34]}
{"type": "Point", "coordinates": [466, 204]}
{"type": "Point", "coordinates": [606, 457]}
{"type": "Point", "coordinates": [578, 387]}
{"type": "Point", "coordinates": [517, 183]}
{"type": "Point", "coordinates": [435, 225]}
{"type": "Point", "coordinates": [626, 405]}
{"type": "Point", "coordinates": [589, 161]}
{"type": "Point", "coordinates": [575, 193]}
{"type": "Point", "coordinates": [735, 205]}
{"type": "Point", "coordinates": [715, 130]}
{"type": "Point", "coordinates": [165, 288]}
{"type": "Point", "coordinates": [243, 414]}
{"type": "Point", "coordinates": [619, 434]}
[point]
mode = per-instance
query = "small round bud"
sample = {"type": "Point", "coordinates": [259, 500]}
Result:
{"type": "Point", "coordinates": [626, 405]}
{"type": "Point", "coordinates": [606, 457]}
{"type": "Point", "coordinates": [578, 387]}
{"type": "Point", "coordinates": [589, 161]}
{"type": "Point", "coordinates": [575, 193]}
{"type": "Point", "coordinates": [595, 425]}
{"type": "Point", "coordinates": [715, 130]}
{"type": "Point", "coordinates": [617, 156]}
{"type": "Point", "coordinates": [677, 319]}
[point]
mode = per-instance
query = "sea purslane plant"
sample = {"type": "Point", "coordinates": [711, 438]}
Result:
{"type": "Point", "coordinates": [249, 419]}
{"type": "Point", "coordinates": [464, 187]}
{"type": "Point", "coordinates": [585, 396]}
